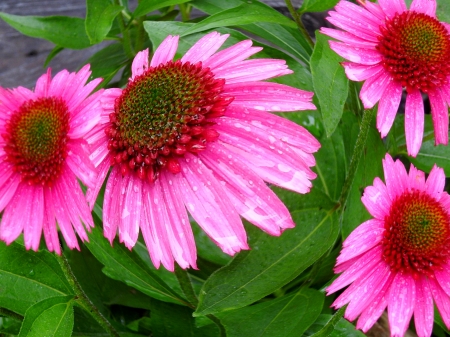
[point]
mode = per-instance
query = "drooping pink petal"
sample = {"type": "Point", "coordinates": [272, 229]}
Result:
{"type": "Point", "coordinates": [439, 113]}
{"type": "Point", "coordinates": [268, 96]}
{"type": "Point", "coordinates": [86, 116]}
{"type": "Point", "coordinates": [414, 122]}
{"type": "Point", "coordinates": [209, 206]}
{"type": "Point", "coordinates": [165, 52]}
{"type": "Point", "coordinates": [140, 64]}
{"type": "Point", "coordinates": [401, 301]}
{"type": "Point", "coordinates": [92, 192]}
{"type": "Point", "coordinates": [373, 89]}
{"type": "Point", "coordinates": [9, 182]}
{"type": "Point", "coordinates": [204, 48]}
{"type": "Point", "coordinates": [16, 213]}
{"type": "Point", "coordinates": [78, 161]}
{"type": "Point", "coordinates": [111, 204]}
{"type": "Point", "coordinates": [388, 106]}
{"type": "Point", "coordinates": [361, 72]}
{"type": "Point", "coordinates": [131, 188]}
{"type": "Point", "coordinates": [49, 226]}
{"type": "Point", "coordinates": [423, 308]}
{"type": "Point", "coordinates": [427, 7]}
{"type": "Point", "coordinates": [442, 300]}
{"type": "Point", "coordinates": [32, 228]}
{"type": "Point", "coordinates": [364, 56]}
{"type": "Point", "coordinates": [443, 278]}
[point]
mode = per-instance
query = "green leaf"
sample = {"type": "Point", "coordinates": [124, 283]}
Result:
{"type": "Point", "coordinates": [28, 277]}
{"type": "Point", "coordinates": [431, 155]}
{"type": "Point", "coordinates": [342, 328]}
{"type": "Point", "coordinates": [168, 320]}
{"type": "Point", "coordinates": [244, 14]}
{"type": "Point", "coordinates": [286, 316]}
{"type": "Point", "coordinates": [107, 62]}
{"type": "Point", "coordinates": [147, 6]}
{"type": "Point", "coordinates": [64, 31]}
{"type": "Point", "coordinates": [55, 51]}
{"type": "Point", "coordinates": [271, 263]}
{"type": "Point", "coordinates": [443, 10]}
{"type": "Point", "coordinates": [369, 167]}
{"type": "Point", "coordinates": [52, 317]}
{"type": "Point", "coordinates": [317, 5]}
{"type": "Point", "coordinates": [328, 328]}
{"type": "Point", "coordinates": [283, 37]}
{"type": "Point", "coordinates": [123, 265]}
{"type": "Point", "coordinates": [100, 15]}
{"type": "Point", "coordinates": [330, 82]}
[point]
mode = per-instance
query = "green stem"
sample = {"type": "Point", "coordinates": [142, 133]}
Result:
{"type": "Point", "coordinates": [127, 46]}
{"type": "Point", "coordinates": [140, 35]}
{"type": "Point", "coordinates": [82, 298]}
{"type": "Point", "coordinates": [298, 21]}
{"type": "Point", "coordinates": [185, 10]}
{"type": "Point", "coordinates": [186, 286]}
{"type": "Point", "coordinates": [8, 313]}
{"type": "Point", "coordinates": [357, 152]}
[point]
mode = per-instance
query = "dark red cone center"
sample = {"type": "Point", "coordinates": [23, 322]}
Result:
{"type": "Point", "coordinates": [161, 115]}
{"type": "Point", "coordinates": [416, 50]}
{"type": "Point", "coordinates": [36, 140]}
{"type": "Point", "coordinates": [417, 234]}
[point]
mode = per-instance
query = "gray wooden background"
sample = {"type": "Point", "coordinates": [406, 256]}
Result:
{"type": "Point", "coordinates": [22, 57]}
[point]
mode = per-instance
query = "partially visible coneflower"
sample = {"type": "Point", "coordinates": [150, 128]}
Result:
{"type": "Point", "coordinates": [42, 153]}
{"type": "Point", "coordinates": [392, 48]}
{"type": "Point", "coordinates": [401, 258]}
{"type": "Point", "coordinates": [197, 135]}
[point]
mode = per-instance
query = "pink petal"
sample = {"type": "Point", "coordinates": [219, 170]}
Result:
{"type": "Point", "coordinates": [78, 161]}
{"type": "Point", "coordinates": [363, 265]}
{"type": "Point", "coordinates": [249, 194]}
{"type": "Point", "coordinates": [416, 179]}
{"type": "Point", "coordinates": [179, 232]}
{"type": "Point", "coordinates": [59, 83]}
{"type": "Point", "coordinates": [9, 182]}
{"type": "Point", "coordinates": [43, 83]}
{"type": "Point", "coordinates": [373, 89]}
{"type": "Point", "coordinates": [16, 214]}
{"type": "Point", "coordinates": [392, 7]}
{"type": "Point", "coordinates": [395, 176]}
{"type": "Point", "coordinates": [153, 226]}
{"type": "Point", "coordinates": [414, 122]}
{"type": "Point", "coordinates": [204, 48]}
{"type": "Point", "coordinates": [277, 127]}
{"type": "Point", "coordinates": [353, 11]}
{"type": "Point", "coordinates": [443, 278]}
{"type": "Point", "coordinates": [348, 38]}
{"type": "Point", "coordinates": [364, 56]}
{"type": "Point", "coordinates": [207, 202]}
{"type": "Point", "coordinates": [388, 107]}
{"type": "Point", "coordinates": [111, 204]}
{"type": "Point", "coordinates": [269, 96]}
{"type": "Point", "coordinates": [9, 102]}
{"type": "Point", "coordinates": [362, 239]}
{"type": "Point", "coordinates": [436, 182]}
{"type": "Point", "coordinates": [427, 7]}
{"type": "Point", "coordinates": [86, 116]}
{"type": "Point", "coordinates": [165, 52]}
{"type": "Point", "coordinates": [130, 215]}
{"type": "Point", "coordinates": [355, 25]}
{"type": "Point", "coordinates": [402, 297]}
{"type": "Point", "coordinates": [374, 9]}
{"type": "Point", "coordinates": [49, 224]}
{"type": "Point", "coordinates": [361, 72]}
{"type": "Point", "coordinates": [140, 64]}
{"type": "Point", "coordinates": [439, 113]}
{"type": "Point", "coordinates": [92, 192]}
{"type": "Point", "coordinates": [236, 53]}
{"type": "Point", "coordinates": [423, 308]}
{"type": "Point", "coordinates": [376, 199]}
{"type": "Point", "coordinates": [442, 300]}
{"type": "Point", "coordinates": [252, 70]}
{"type": "Point", "coordinates": [34, 212]}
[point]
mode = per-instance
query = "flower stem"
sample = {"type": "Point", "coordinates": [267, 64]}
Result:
{"type": "Point", "coordinates": [298, 21]}
{"type": "Point", "coordinates": [127, 46]}
{"type": "Point", "coordinates": [357, 152]}
{"type": "Point", "coordinates": [188, 291]}
{"type": "Point", "coordinates": [82, 298]}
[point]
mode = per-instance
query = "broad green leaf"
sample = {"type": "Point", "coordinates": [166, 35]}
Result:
{"type": "Point", "coordinates": [328, 328]}
{"type": "Point", "coordinates": [283, 37]}
{"type": "Point", "coordinates": [247, 13]}
{"type": "Point", "coordinates": [52, 317]}
{"type": "Point", "coordinates": [286, 316]}
{"type": "Point", "coordinates": [169, 320]}
{"type": "Point", "coordinates": [100, 15]}
{"type": "Point", "coordinates": [369, 167]}
{"type": "Point", "coordinates": [330, 83]}
{"type": "Point", "coordinates": [147, 6]}
{"type": "Point", "coordinates": [271, 263]}
{"type": "Point", "coordinates": [9, 326]}
{"type": "Point", "coordinates": [107, 62]}
{"type": "Point", "coordinates": [55, 51]}
{"type": "Point", "coordinates": [317, 5]}
{"type": "Point", "coordinates": [158, 31]}
{"type": "Point", "coordinates": [342, 328]}
{"type": "Point", "coordinates": [443, 10]}
{"type": "Point", "coordinates": [123, 265]}
{"type": "Point", "coordinates": [28, 277]}
{"type": "Point", "coordinates": [431, 155]}
{"type": "Point", "coordinates": [64, 31]}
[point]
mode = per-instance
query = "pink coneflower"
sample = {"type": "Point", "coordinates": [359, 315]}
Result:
{"type": "Point", "coordinates": [42, 153]}
{"type": "Point", "coordinates": [391, 48]}
{"type": "Point", "coordinates": [196, 134]}
{"type": "Point", "coordinates": [401, 258]}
